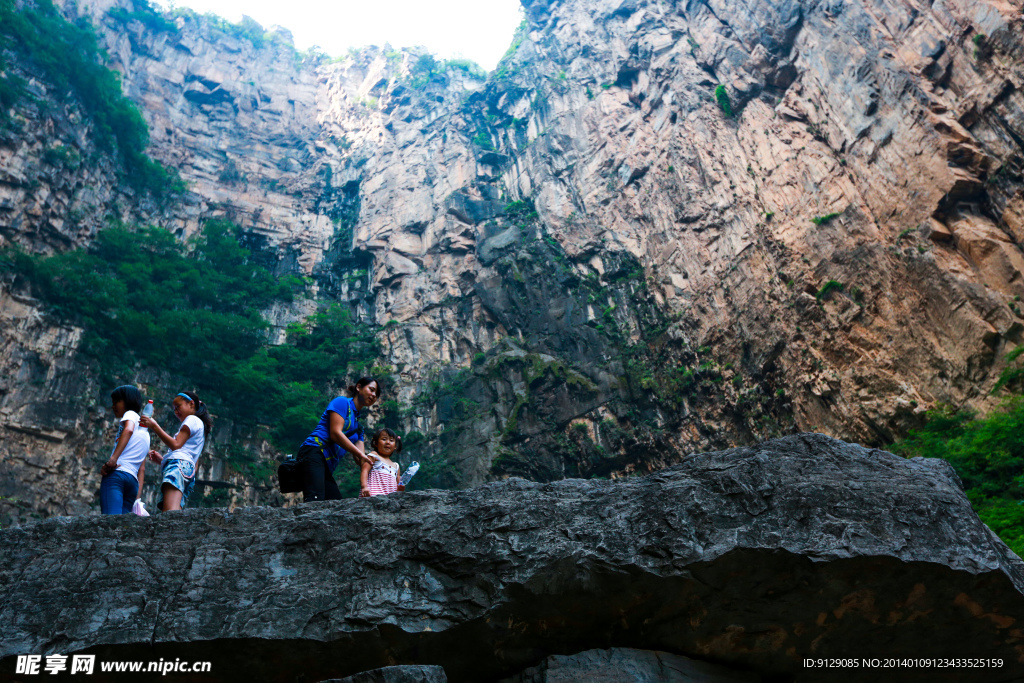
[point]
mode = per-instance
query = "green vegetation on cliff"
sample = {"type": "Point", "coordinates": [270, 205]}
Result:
{"type": "Point", "coordinates": [426, 68]}
{"type": "Point", "coordinates": [69, 58]}
{"type": "Point", "coordinates": [988, 454]}
{"type": "Point", "coordinates": [722, 96]}
{"type": "Point", "coordinates": [144, 13]}
{"type": "Point", "coordinates": [194, 311]}
{"type": "Point", "coordinates": [826, 219]}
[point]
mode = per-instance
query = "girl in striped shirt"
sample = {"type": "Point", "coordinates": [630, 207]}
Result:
{"type": "Point", "coordinates": [379, 475]}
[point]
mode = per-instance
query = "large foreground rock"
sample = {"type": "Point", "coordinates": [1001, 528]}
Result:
{"type": "Point", "coordinates": [755, 558]}
{"type": "Point", "coordinates": [396, 674]}
{"type": "Point", "coordinates": [626, 665]}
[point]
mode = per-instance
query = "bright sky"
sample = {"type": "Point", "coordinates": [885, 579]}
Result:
{"type": "Point", "coordinates": [480, 30]}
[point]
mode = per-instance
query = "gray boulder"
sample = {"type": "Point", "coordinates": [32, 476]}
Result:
{"type": "Point", "coordinates": [756, 558]}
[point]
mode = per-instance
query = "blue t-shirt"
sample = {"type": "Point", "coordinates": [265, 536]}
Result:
{"type": "Point", "coordinates": [320, 437]}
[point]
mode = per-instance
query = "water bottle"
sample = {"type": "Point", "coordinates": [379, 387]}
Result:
{"type": "Point", "coordinates": [147, 410]}
{"type": "Point", "coordinates": [408, 474]}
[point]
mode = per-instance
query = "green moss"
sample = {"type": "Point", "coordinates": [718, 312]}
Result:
{"type": "Point", "coordinates": [535, 367]}
{"type": "Point", "coordinates": [12, 88]}
{"type": "Point", "coordinates": [827, 289]}
{"type": "Point", "coordinates": [1013, 375]}
{"type": "Point", "coordinates": [512, 423]}
{"type": "Point", "coordinates": [483, 140]}
{"type": "Point", "coordinates": [247, 29]}
{"type": "Point", "coordinates": [424, 69]}
{"type": "Point", "coordinates": [470, 67]}
{"type": "Point", "coordinates": [722, 97]}
{"type": "Point", "coordinates": [981, 47]}
{"type": "Point", "coordinates": [520, 212]}
{"type": "Point", "coordinates": [505, 69]}
{"type": "Point", "coordinates": [66, 156]}
{"type": "Point", "coordinates": [826, 219]}
{"type": "Point", "coordinates": [144, 13]}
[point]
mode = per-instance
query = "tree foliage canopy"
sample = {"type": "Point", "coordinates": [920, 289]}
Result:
{"type": "Point", "coordinates": [988, 454]}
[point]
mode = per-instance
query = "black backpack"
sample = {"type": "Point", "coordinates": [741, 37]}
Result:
{"type": "Point", "coordinates": [289, 477]}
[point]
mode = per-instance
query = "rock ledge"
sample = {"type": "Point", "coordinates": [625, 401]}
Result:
{"type": "Point", "coordinates": [752, 557]}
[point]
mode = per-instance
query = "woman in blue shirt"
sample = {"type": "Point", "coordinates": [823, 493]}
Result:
{"type": "Point", "coordinates": [338, 431]}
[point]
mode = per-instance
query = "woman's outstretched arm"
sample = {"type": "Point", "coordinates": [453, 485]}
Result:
{"type": "Point", "coordinates": [337, 429]}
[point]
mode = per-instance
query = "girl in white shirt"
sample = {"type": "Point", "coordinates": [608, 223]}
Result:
{"type": "Point", "coordinates": [179, 465]}
{"type": "Point", "coordinates": [125, 471]}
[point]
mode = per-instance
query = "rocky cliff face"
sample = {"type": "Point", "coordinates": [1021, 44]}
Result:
{"type": "Point", "coordinates": [581, 266]}
{"type": "Point", "coordinates": [752, 558]}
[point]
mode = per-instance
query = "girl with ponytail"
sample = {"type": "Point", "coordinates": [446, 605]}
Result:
{"type": "Point", "coordinates": [179, 465]}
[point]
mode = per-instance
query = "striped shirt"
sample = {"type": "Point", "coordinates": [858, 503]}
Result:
{"type": "Point", "coordinates": [383, 478]}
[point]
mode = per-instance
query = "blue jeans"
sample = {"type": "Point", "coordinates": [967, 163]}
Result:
{"type": "Point", "coordinates": [118, 491]}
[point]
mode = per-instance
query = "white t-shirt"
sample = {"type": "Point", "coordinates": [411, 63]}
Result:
{"type": "Point", "coordinates": [137, 447]}
{"type": "Point", "coordinates": [191, 449]}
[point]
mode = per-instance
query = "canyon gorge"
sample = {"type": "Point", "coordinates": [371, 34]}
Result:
{"type": "Point", "coordinates": [656, 228]}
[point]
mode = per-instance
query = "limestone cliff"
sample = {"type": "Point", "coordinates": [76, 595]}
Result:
{"type": "Point", "coordinates": [580, 266]}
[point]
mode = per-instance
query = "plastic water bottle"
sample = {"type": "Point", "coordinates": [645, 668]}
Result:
{"type": "Point", "coordinates": [414, 467]}
{"type": "Point", "coordinates": [147, 410]}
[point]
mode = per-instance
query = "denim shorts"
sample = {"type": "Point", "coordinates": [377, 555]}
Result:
{"type": "Point", "coordinates": [181, 475]}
